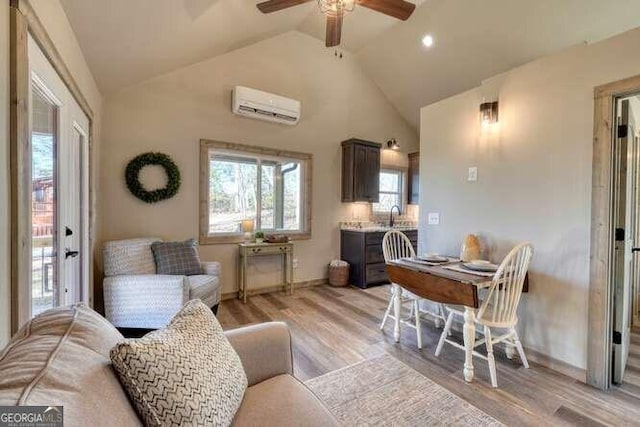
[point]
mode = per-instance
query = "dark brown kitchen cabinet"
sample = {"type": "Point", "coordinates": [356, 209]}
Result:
{"type": "Point", "coordinates": [360, 171]}
{"type": "Point", "coordinates": [413, 189]}
{"type": "Point", "coordinates": [363, 251]}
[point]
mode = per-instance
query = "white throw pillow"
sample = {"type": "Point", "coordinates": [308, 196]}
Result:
{"type": "Point", "coordinates": [184, 374]}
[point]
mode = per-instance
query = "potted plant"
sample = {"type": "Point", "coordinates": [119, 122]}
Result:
{"type": "Point", "coordinates": [259, 237]}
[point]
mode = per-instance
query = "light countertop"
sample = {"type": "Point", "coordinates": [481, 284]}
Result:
{"type": "Point", "coordinates": [380, 229]}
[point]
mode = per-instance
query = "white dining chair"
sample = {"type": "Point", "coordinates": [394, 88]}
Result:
{"type": "Point", "coordinates": [498, 310]}
{"type": "Point", "coordinates": [396, 245]}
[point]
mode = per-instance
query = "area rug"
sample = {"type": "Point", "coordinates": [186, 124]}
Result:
{"type": "Point", "coordinates": [385, 391]}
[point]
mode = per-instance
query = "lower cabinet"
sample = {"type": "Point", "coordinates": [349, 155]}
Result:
{"type": "Point", "coordinates": [363, 252]}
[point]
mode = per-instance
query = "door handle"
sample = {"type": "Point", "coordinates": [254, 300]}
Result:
{"type": "Point", "coordinates": [70, 254]}
{"type": "Point", "coordinates": [635, 250]}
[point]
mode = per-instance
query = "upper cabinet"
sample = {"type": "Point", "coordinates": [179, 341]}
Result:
{"type": "Point", "coordinates": [413, 189]}
{"type": "Point", "coordinates": [360, 171]}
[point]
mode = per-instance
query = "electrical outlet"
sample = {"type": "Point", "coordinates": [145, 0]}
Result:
{"type": "Point", "coordinates": [433, 218]}
{"type": "Point", "coordinates": [473, 174]}
{"type": "Point", "coordinates": [295, 263]}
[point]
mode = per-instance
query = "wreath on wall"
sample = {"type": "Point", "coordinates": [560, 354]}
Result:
{"type": "Point", "coordinates": [132, 177]}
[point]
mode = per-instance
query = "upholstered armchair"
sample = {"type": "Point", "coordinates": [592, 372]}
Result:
{"type": "Point", "coordinates": [136, 297]}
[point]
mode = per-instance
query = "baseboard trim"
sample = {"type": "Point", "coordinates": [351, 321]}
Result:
{"type": "Point", "coordinates": [542, 359]}
{"type": "Point", "coordinates": [556, 365]}
{"type": "Point", "coordinates": [276, 288]}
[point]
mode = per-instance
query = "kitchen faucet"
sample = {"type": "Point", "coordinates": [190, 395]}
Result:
{"type": "Point", "coordinates": [391, 221]}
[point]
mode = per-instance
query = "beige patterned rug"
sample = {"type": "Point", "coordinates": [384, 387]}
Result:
{"type": "Point", "coordinates": [385, 391]}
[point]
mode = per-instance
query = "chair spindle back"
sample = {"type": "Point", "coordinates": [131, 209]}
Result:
{"type": "Point", "coordinates": [501, 303]}
{"type": "Point", "coordinates": [396, 245]}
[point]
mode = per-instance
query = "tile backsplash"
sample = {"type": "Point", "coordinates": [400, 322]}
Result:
{"type": "Point", "coordinates": [400, 222]}
{"type": "Point", "coordinates": [362, 216]}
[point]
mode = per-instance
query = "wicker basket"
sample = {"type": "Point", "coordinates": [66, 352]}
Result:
{"type": "Point", "coordinates": [339, 276]}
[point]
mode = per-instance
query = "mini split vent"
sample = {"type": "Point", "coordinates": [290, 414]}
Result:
{"type": "Point", "coordinates": [265, 106]}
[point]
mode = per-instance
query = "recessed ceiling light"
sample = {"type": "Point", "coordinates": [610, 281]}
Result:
{"type": "Point", "coordinates": [427, 40]}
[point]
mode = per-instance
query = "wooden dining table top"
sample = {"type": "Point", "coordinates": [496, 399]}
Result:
{"type": "Point", "coordinates": [436, 283]}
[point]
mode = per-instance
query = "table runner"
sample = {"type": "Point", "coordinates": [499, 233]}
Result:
{"type": "Point", "coordinates": [419, 261]}
{"type": "Point", "coordinates": [461, 269]}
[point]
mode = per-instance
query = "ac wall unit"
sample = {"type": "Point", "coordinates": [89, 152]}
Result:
{"type": "Point", "coordinates": [265, 106]}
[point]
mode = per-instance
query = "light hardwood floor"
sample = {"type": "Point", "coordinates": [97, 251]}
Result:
{"type": "Point", "coordinates": [335, 327]}
{"type": "Point", "coordinates": [631, 380]}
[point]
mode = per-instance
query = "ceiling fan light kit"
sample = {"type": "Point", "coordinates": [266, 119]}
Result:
{"type": "Point", "coordinates": [336, 9]}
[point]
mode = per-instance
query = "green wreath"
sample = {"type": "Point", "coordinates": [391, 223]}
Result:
{"type": "Point", "coordinates": [146, 159]}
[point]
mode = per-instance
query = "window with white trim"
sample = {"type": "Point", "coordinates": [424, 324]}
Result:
{"type": "Point", "coordinates": [270, 187]}
{"type": "Point", "coordinates": [391, 190]}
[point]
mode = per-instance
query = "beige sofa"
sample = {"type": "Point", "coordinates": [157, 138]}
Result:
{"type": "Point", "coordinates": [62, 358]}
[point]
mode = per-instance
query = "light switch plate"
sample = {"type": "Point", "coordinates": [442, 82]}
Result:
{"type": "Point", "coordinates": [433, 218]}
{"type": "Point", "coordinates": [473, 174]}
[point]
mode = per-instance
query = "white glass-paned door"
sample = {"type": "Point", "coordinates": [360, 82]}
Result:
{"type": "Point", "coordinates": [59, 208]}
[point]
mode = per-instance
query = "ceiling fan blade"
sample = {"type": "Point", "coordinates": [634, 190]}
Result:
{"type": "Point", "coordinates": [397, 8]}
{"type": "Point", "coordinates": [334, 30]}
{"type": "Point", "coordinates": [276, 5]}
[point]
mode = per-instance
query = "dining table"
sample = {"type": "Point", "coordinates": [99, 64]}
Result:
{"type": "Point", "coordinates": [446, 283]}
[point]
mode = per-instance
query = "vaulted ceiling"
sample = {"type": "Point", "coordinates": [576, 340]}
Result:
{"type": "Point", "coordinates": [128, 41]}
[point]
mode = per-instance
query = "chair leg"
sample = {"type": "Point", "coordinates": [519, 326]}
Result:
{"type": "Point", "coordinates": [444, 316]}
{"type": "Point", "coordinates": [437, 320]}
{"type": "Point", "coordinates": [508, 349]}
{"type": "Point", "coordinates": [397, 307]}
{"type": "Point", "coordinates": [416, 310]}
{"type": "Point", "coordinates": [490, 358]}
{"type": "Point", "coordinates": [386, 313]}
{"type": "Point", "coordinates": [516, 339]}
{"type": "Point", "coordinates": [445, 333]}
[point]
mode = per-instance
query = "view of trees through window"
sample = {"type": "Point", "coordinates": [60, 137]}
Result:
{"type": "Point", "coordinates": [390, 190]}
{"type": "Point", "coordinates": [267, 190]}
{"type": "Point", "coordinates": [43, 202]}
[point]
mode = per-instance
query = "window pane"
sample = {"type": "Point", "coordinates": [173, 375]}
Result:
{"type": "Point", "coordinates": [44, 286]}
{"type": "Point", "coordinates": [250, 185]}
{"type": "Point", "coordinates": [268, 197]}
{"type": "Point", "coordinates": [390, 181]}
{"type": "Point", "coordinates": [232, 193]}
{"type": "Point", "coordinates": [387, 200]}
{"type": "Point", "coordinates": [390, 190]}
{"type": "Point", "coordinates": [292, 201]}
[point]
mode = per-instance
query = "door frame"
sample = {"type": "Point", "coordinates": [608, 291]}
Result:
{"type": "Point", "coordinates": [600, 322]}
{"type": "Point", "coordinates": [23, 22]}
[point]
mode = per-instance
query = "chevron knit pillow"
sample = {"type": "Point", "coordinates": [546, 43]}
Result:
{"type": "Point", "coordinates": [185, 374]}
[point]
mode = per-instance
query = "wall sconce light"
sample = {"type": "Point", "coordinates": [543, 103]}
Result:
{"type": "Point", "coordinates": [489, 112]}
{"type": "Point", "coordinates": [247, 227]}
{"type": "Point", "coordinates": [392, 144]}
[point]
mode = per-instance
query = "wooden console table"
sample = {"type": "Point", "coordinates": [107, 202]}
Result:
{"type": "Point", "coordinates": [247, 250]}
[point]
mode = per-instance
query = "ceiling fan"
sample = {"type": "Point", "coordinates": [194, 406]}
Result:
{"type": "Point", "coordinates": [336, 9]}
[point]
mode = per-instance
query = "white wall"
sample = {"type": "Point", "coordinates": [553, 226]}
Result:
{"type": "Point", "coordinates": [5, 189]}
{"type": "Point", "coordinates": [534, 181]}
{"type": "Point", "coordinates": [171, 113]}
